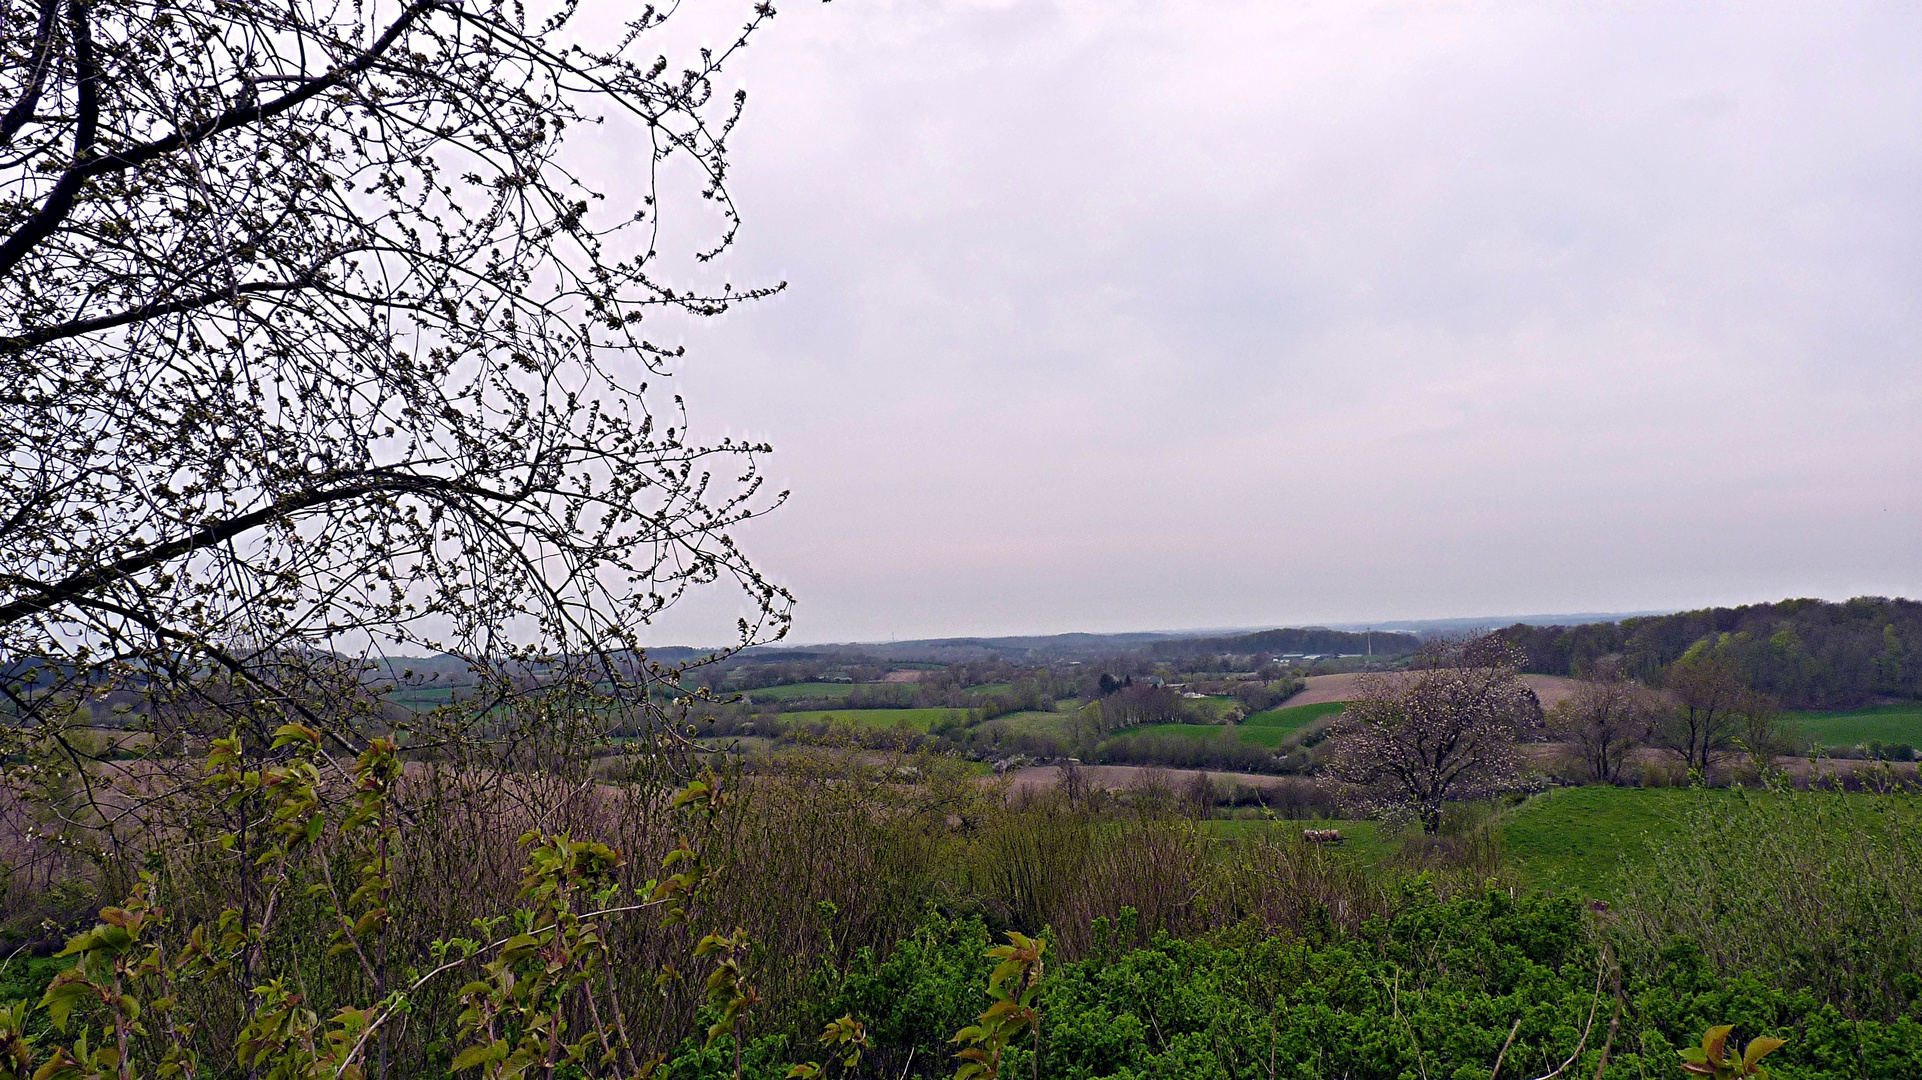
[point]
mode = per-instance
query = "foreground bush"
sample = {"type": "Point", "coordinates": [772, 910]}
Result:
{"type": "Point", "coordinates": [856, 897]}
{"type": "Point", "coordinates": [1816, 890]}
{"type": "Point", "coordinates": [1434, 991]}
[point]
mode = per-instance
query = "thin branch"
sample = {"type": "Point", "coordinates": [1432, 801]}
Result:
{"type": "Point", "coordinates": [22, 110]}
{"type": "Point", "coordinates": [1586, 1028]}
{"type": "Point", "coordinates": [86, 167]}
{"type": "Point", "coordinates": [1496, 1071]}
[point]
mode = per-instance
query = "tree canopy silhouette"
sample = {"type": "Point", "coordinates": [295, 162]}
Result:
{"type": "Point", "coordinates": [317, 345]}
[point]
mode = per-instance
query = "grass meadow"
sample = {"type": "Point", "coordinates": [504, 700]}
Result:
{"type": "Point", "coordinates": [1186, 731]}
{"type": "Point", "coordinates": [915, 719]}
{"type": "Point", "coordinates": [1267, 729]}
{"type": "Point", "coordinates": [1058, 724]}
{"type": "Point", "coordinates": [1583, 838]}
{"type": "Point", "coordinates": [1585, 841]}
{"type": "Point", "coordinates": [1588, 839]}
{"type": "Point", "coordinates": [1367, 842]}
{"type": "Point", "coordinates": [792, 691]}
{"type": "Point", "coordinates": [1881, 723]}
{"type": "Point", "coordinates": [1291, 717]}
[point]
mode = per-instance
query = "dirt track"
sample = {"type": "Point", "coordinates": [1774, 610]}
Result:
{"type": "Point", "coordinates": [1325, 688]}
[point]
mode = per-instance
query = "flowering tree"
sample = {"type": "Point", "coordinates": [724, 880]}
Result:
{"type": "Point", "coordinates": [1446, 730]}
{"type": "Point", "coordinates": [316, 342]}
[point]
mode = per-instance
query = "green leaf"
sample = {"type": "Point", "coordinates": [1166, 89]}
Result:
{"type": "Point", "coordinates": [63, 996]}
{"type": "Point", "coordinates": [1760, 1048]}
{"type": "Point", "coordinates": [479, 1055]}
{"type": "Point", "coordinates": [1713, 1041]}
{"type": "Point", "coordinates": [519, 946]}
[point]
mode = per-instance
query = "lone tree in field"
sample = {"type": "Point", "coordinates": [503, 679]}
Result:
{"type": "Point", "coordinates": [1708, 691]}
{"type": "Point", "coordinates": [1605, 719]}
{"type": "Point", "coordinates": [1759, 730]}
{"type": "Point", "coordinates": [315, 342]}
{"type": "Point", "coordinates": [1445, 730]}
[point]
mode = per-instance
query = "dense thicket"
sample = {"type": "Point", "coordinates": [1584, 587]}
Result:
{"type": "Point", "coordinates": [1806, 653]}
{"type": "Point", "coordinates": [1433, 991]}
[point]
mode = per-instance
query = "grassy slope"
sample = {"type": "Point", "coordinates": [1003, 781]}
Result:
{"type": "Point", "coordinates": [1267, 729]}
{"type": "Point", "coordinates": [1186, 731]}
{"type": "Point", "coordinates": [800, 690]}
{"type": "Point", "coordinates": [1578, 838]}
{"type": "Point", "coordinates": [1037, 723]}
{"type": "Point", "coordinates": [1290, 717]}
{"type": "Point", "coordinates": [422, 697]}
{"type": "Point", "coordinates": [1582, 838]}
{"type": "Point", "coordinates": [1883, 723]}
{"type": "Point", "coordinates": [1260, 736]}
{"type": "Point", "coordinates": [1365, 840]}
{"type": "Point", "coordinates": [1570, 838]}
{"type": "Point", "coordinates": [1217, 704]}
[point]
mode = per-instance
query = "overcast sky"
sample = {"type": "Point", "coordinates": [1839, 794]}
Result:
{"type": "Point", "coordinates": [1147, 315]}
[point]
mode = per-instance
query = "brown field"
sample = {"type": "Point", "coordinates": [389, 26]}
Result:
{"type": "Point", "coordinates": [1550, 689]}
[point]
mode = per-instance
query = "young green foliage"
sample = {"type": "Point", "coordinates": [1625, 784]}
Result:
{"type": "Point", "coordinates": [1714, 1058]}
{"type": "Point", "coordinates": [515, 1017]}
{"type": "Point", "coordinates": [1015, 985]}
{"type": "Point", "coordinates": [849, 1036]}
{"type": "Point", "coordinates": [119, 1001]}
{"type": "Point", "coordinates": [544, 999]}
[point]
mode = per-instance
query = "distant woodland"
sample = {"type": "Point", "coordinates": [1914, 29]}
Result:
{"type": "Point", "coordinates": [1809, 654]}
{"type": "Point", "coordinates": [1290, 641]}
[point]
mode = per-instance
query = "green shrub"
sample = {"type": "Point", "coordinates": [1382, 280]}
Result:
{"type": "Point", "coordinates": [1811, 890]}
{"type": "Point", "coordinates": [1434, 990]}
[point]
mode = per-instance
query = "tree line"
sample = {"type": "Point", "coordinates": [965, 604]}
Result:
{"type": "Point", "coordinates": [1807, 654]}
{"type": "Point", "coordinates": [1258, 647]}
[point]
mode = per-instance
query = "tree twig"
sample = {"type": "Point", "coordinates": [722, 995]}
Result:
{"type": "Point", "coordinates": [1492, 1073]}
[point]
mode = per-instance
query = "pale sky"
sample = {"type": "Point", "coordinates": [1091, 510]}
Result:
{"type": "Point", "coordinates": [1150, 315]}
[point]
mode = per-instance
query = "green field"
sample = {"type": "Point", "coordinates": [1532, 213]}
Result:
{"type": "Point", "coordinates": [1268, 729]}
{"type": "Point", "coordinates": [1290, 717]}
{"type": "Point", "coordinates": [800, 690]}
{"type": "Point", "coordinates": [1263, 735]}
{"type": "Point", "coordinates": [1582, 838]}
{"type": "Point", "coordinates": [1881, 723]}
{"type": "Point", "coordinates": [1037, 723]}
{"type": "Point", "coordinates": [1568, 838]}
{"type": "Point", "coordinates": [1217, 705]}
{"type": "Point", "coordinates": [1270, 737]}
{"type": "Point", "coordinates": [989, 688]}
{"type": "Point", "coordinates": [1571, 838]}
{"type": "Point", "coordinates": [1365, 840]}
{"type": "Point", "coordinates": [422, 697]}
{"type": "Point", "coordinates": [1579, 838]}
{"type": "Point", "coordinates": [916, 719]}
{"type": "Point", "coordinates": [1186, 731]}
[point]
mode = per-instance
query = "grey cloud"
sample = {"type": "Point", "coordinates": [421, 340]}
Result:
{"type": "Point", "coordinates": [1111, 316]}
